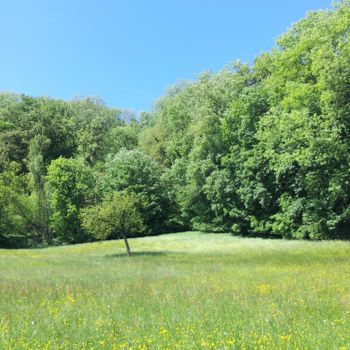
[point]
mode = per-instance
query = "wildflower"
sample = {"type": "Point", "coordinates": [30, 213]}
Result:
{"type": "Point", "coordinates": [163, 332]}
{"type": "Point", "coordinates": [286, 337]}
{"type": "Point", "coordinates": [264, 289]}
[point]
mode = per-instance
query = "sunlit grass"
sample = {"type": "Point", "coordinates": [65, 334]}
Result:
{"type": "Point", "coordinates": [181, 291]}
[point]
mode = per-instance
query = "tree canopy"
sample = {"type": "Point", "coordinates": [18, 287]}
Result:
{"type": "Point", "coordinates": [259, 150]}
{"type": "Point", "coordinates": [117, 216]}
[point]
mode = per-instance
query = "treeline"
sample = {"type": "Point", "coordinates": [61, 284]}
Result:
{"type": "Point", "coordinates": [260, 150]}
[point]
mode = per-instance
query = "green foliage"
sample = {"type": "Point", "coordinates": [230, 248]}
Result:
{"type": "Point", "coordinates": [133, 171]}
{"type": "Point", "coordinates": [268, 154]}
{"type": "Point", "coordinates": [38, 172]}
{"type": "Point", "coordinates": [10, 227]}
{"type": "Point", "coordinates": [20, 224]}
{"type": "Point", "coordinates": [93, 123]}
{"type": "Point", "coordinates": [71, 187]}
{"type": "Point", "coordinates": [259, 150]}
{"type": "Point", "coordinates": [116, 216]}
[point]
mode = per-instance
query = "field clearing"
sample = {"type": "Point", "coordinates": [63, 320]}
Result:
{"type": "Point", "coordinates": [179, 291]}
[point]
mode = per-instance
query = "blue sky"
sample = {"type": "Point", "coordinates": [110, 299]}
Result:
{"type": "Point", "coordinates": [129, 52]}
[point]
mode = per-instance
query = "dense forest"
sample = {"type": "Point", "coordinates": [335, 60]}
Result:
{"type": "Point", "coordinates": [258, 149]}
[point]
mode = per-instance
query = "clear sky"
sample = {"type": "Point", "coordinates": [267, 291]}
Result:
{"type": "Point", "coordinates": [128, 52]}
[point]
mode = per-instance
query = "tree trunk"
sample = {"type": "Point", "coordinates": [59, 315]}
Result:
{"type": "Point", "coordinates": [127, 246]}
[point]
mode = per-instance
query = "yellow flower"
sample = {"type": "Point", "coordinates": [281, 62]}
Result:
{"type": "Point", "coordinates": [163, 331]}
{"type": "Point", "coordinates": [286, 337]}
{"type": "Point", "coordinates": [264, 289]}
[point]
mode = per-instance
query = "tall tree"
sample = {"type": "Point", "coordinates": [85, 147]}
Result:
{"type": "Point", "coordinates": [133, 171]}
{"type": "Point", "coordinates": [38, 171]}
{"type": "Point", "coordinates": [71, 187]}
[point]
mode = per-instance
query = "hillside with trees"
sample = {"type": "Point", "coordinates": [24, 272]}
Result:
{"type": "Point", "coordinates": [255, 150]}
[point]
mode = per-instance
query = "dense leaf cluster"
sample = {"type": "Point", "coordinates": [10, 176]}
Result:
{"type": "Point", "coordinates": [261, 149]}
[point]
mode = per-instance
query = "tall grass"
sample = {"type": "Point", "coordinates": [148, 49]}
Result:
{"type": "Point", "coordinates": [180, 291]}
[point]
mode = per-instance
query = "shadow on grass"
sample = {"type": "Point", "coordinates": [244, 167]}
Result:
{"type": "Point", "coordinates": [124, 255]}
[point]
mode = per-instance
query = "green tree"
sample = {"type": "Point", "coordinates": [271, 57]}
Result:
{"type": "Point", "coordinates": [71, 187]}
{"type": "Point", "coordinates": [94, 125]}
{"type": "Point", "coordinates": [133, 171]}
{"type": "Point", "coordinates": [38, 171]}
{"type": "Point", "coordinates": [19, 226]}
{"type": "Point", "coordinates": [116, 217]}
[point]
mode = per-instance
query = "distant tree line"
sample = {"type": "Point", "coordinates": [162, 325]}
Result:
{"type": "Point", "coordinates": [258, 150]}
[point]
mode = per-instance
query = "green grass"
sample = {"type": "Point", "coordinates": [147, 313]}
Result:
{"type": "Point", "coordinates": [178, 291]}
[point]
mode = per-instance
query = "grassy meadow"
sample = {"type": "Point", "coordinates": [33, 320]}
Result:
{"type": "Point", "coordinates": [179, 291]}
